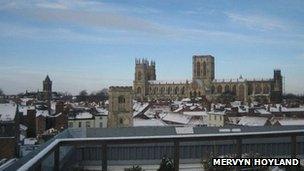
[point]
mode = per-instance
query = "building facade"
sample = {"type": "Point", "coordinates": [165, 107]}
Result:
{"type": "Point", "coordinates": [203, 83]}
{"type": "Point", "coordinates": [120, 107]}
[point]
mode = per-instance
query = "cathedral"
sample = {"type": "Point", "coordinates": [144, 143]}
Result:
{"type": "Point", "coordinates": [203, 83]}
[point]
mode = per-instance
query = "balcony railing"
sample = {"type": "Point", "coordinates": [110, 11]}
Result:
{"type": "Point", "coordinates": [57, 148]}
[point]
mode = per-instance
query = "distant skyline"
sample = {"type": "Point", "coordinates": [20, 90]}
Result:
{"type": "Point", "coordinates": [91, 45]}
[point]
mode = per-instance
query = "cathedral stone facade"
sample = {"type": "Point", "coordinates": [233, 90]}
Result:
{"type": "Point", "coordinates": [203, 84]}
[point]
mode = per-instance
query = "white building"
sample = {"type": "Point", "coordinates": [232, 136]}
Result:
{"type": "Point", "coordinates": [87, 119]}
{"type": "Point", "coordinates": [216, 118]}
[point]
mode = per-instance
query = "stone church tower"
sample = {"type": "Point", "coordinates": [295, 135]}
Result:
{"type": "Point", "coordinates": [144, 72]}
{"type": "Point", "coordinates": [203, 73]}
{"type": "Point", "coordinates": [47, 88]}
{"type": "Point", "coordinates": [277, 89]}
{"type": "Point", "coordinates": [203, 68]}
{"type": "Point", "coordinates": [120, 107]}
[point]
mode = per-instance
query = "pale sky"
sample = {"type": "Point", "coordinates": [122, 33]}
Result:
{"type": "Point", "coordinates": [91, 45]}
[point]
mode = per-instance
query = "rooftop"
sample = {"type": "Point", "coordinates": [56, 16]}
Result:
{"type": "Point", "coordinates": [7, 111]}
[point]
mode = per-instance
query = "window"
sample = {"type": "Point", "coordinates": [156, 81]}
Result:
{"type": "Point", "coordinates": [198, 69]}
{"type": "Point", "coordinates": [204, 68]}
{"type": "Point", "coordinates": [139, 76]}
{"type": "Point", "coordinates": [169, 90]}
{"type": "Point", "coordinates": [121, 99]}
{"type": "Point", "coordinates": [100, 125]}
{"type": "Point", "coordinates": [214, 117]}
{"type": "Point", "coordinates": [183, 91]}
{"type": "Point", "coordinates": [70, 124]}
{"type": "Point", "coordinates": [100, 117]}
{"type": "Point", "coordinates": [88, 124]}
{"type": "Point", "coordinates": [121, 121]}
{"type": "Point", "coordinates": [79, 124]}
{"type": "Point", "coordinates": [227, 88]}
{"type": "Point", "coordinates": [212, 89]}
{"type": "Point", "coordinates": [258, 89]}
{"type": "Point", "coordinates": [219, 89]}
{"type": "Point", "coordinates": [138, 90]}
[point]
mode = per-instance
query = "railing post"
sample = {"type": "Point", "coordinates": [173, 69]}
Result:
{"type": "Point", "coordinates": [56, 158]}
{"type": "Point", "coordinates": [293, 145]}
{"type": "Point", "coordinates": [176, 156]}
{"type": "Point", "coordinates": [238, 151]}
{"type": "Point", "coordinates": [239, 148]}
{"type": "Point", "coordinates": [104, 157]}
{"type": "Point", "coordinates": [38, 167]}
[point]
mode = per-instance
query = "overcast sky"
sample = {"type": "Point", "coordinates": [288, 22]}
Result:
{"type": "Point", "coordinates": [93, 44]}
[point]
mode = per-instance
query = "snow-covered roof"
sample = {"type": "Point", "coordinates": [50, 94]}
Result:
{"type": "Point", "coordinates": [285, 109]}
{"type": "Point", "coordinates": [23, 109]}
{"type": "Point", "coordinates": [148, 122]}
{"type": "Point", "coordinates": [195, 113]}
{"type": "Point", "coordinates": [285, 122]}
{"type": "Point", "coordinates": [7, 111]}
{"type": "Point", "coordinates": [25, 100]}
{"type": "Point", "coordinates": [178, 109]}
{"type": "Point", "coordinates": [236, 103]}
{"type": "Point", "coordinates": [252, 121]}
{"type": "Point", "coordinates": [30, 141]}
{"type": "Point", "coordinates": [194, 121]}
{"type": "Point", "coordinates": [217, 112]}
{"type": "Point", "coordinates": [22, 127]}
{"type": "Point", "coordinates": [84, 115]}
{"type": "Point", "coordinates": [44, 113]}
{"type": "Point", "coordinates": [186, 100]}
{"type": "Point", "coordinates": [176, 118]}
{"type": "Point", "coordinates": [139, 107]}
{"type": "Point", "coordinates": [262, 111]}
{"type": "Point", "coordinates": [102, 111]}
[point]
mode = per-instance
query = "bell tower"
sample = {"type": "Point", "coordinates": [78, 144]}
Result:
{"type": "Point", "coordinates": [277, 87]}
{"type": "Point", "coordinates": [203, 70]}
{"type": "Point", "coordinates": [120, 107]}
{"type": "Point", "coordinates": [144, 71]}
{"type": "Point", "coordinates": [47, 88]}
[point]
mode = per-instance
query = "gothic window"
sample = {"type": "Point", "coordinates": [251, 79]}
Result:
{"type": "Point", "coordinates": [227, 88]}
{"type": "Point", "coordinates": [234, 89]}
{"type": "Point", "coordinates": [258, 89]}
{"type": "Point", "coordinates": [176, 90]}
{"type": "Point", "coordinates": [195, 94]}
{"type": "Point", "coordinates": [121, 121]}
{"type": "Point", "coordinates": [204, 68]}
{"type": "Point", "coordinates": [199, 94]}
{"type": "Point", "coordinates": [219, 89]}
{"type": "Point", "coordinates": [121, 99]}
{"type": "Point", "coordinates": [266, 89]}
{"type": "Point", "coordinates": [88, 125]}
{"type": "Point", "coordinates": [183, 90]}
{"type": "Point", "coordinates": [139, 76]}
{"type": "Point", "coordinates": [241, 92]}
{"type": "Point", "coordinates": [138, 90]}
{"type": "Point", "coordinates": [162, 90]}
{"type": "Point", "coordinates": [198, 69]}
{"type": "Point", "coordinates": [155, 90]}
{"type": "Point", "coordinates": [249, 89]}
{"type": "Point", "coordinates": [212, 89]}
{"type": "Point", "coordinates": [168, 90]}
